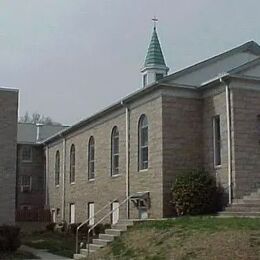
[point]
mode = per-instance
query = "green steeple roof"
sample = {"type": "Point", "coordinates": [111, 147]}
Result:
{"type": "Point", "coordinates": [154, 55]}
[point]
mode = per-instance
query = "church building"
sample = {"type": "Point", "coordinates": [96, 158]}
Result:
{"type": "Point", "coordinates": [129, 154]}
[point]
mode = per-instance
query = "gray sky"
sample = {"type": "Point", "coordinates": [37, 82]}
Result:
{"type": "Point", "coordinates": [71, 58]}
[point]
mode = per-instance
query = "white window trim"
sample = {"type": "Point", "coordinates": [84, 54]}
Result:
{"type": "Point", "coordinates": [24, 186]}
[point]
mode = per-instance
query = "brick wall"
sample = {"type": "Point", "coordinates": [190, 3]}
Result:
{"type": "Point", "coordinates": [182, 141]}
{"type": "Point", "coordinates": [35, 169]}
{"type": "Point", "coordinates": [246, 146]}
{"type": "Point", "coordinates": [8, 133]}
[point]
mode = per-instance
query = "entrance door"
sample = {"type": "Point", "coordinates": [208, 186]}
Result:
{"type": "Point", "coordinates": [91, 213]}
{"type": "Point", "coordinates": [72, 213]}
{"type": "Point", "coordinates": [115, 214]}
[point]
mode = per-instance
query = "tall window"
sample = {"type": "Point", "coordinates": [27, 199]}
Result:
{"type": "Point", "coordinates": [144, 80]}
{"type": "Point", "coordinates": [143, 143]}
{"type": "Point", "coordinates": [57, 168]}
{"type": "Point", "coordinates": [115, 151]}
{"type": "Point", "coordinates": [72, 163]}
{"type": "Point", "coordinates": [26, 153]}
{"type": "Point", "coordinates": [217, 140]}
{"type": "Point", "coordinates": [91, 158]}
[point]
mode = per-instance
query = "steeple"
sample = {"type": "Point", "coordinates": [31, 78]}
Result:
{"type": "Point", "coordinates": [154, 66]}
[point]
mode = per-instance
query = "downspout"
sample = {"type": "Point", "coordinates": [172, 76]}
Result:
{"type": "Point", "coordinates": [46, 176]}
{"type": "Point", "coordinates": [228, 109]}
{"type": "Point", "coordinates": [63, 178]}
{"type": "Point", "coordinates": [126, 156]}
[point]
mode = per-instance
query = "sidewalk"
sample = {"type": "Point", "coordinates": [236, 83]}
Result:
{"type": "Point", "coordinates": [43, 254]}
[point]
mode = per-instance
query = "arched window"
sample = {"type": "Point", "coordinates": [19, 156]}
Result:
{"type": "Point", "coordinates": [143, 143]}
{"type": "Point", "coordinates": [115, 151]}
{"type": "Point", "coordinates": [57, 168]}
{"type": "Point", "coordinates": [72, 163]}
{"type": "Point", "coordinates": [91, 158]}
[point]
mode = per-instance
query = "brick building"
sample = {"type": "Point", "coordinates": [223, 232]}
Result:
{"type": "Point", "coordinates": [8, 132]}
{"type": "Point", "coordinates": [30, 187]}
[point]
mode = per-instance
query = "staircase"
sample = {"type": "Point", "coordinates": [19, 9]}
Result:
{"type": "Point", "coordinates": [104, 239]}
{"type": "Point", "coordinates": [248, 206]}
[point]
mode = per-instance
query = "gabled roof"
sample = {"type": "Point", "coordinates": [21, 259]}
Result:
{"type": "Point", "coordinates": [154, 55]}
{"type": "Point", "coordinates": [250, 51]}
{"type": "Point", "coordinates": [238, 64]}
{"type": "Point", "coordinates": [27, 132]}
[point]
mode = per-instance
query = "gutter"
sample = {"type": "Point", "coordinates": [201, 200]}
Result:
{"type": "Point", "coordinates": [63, 203]}
{"type": "Point", "coordinates": [127, 137]}
{"type": "Point", "coordinates": [228, 114]}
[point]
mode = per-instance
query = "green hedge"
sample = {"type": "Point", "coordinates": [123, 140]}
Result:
{"type": "Point", "coordinates": [195, 192]}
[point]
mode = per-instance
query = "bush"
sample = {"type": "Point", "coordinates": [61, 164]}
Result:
{"type": "Point", "coordinates": [9, 238]}
{"type": "Point", "coordinates": [72, 228]}
{"type": "Point", "coordinates": [195, 192]}
{"type": "Point", "coordinates": [99, 228]}
{"type": "Point", "coordinates": [50, 227]}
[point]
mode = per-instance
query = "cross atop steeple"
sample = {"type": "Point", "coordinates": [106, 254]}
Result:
{"type": "Point", "coordinates": [155, 20]}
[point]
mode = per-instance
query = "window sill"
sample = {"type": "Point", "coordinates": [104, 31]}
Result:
{"type": "Point", "coordinates": [91, 180]}
{"type": "Point", "coordinates": [72, 183]}
{"type": "Point", "coordinates": [217, 167]}
{"type": "Point", "coordinates": [143, 170]}
{"type": "Point", "coordinates": [57, 186]}
{"type": "Point", "coordinates": [116, 175]}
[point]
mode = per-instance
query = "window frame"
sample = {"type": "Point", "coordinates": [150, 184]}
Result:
{"type": "Point", "coordinates": [143, 125]}
{"type": "Point", "coordinates": [217, 160]}
{"type": "Point", "coordinates": [91, 158]}
{"type": "Point", "coordinates": [92, 221]}
{"type": "Point", "coordinates": [57, 169]}
{"type": "Point", "coordinates": [70, 211]}
{"type": "Point", "coordinates": [25, 187]}
{"type": "Point", "coordinates": [22, 153]}
{"type": "Point", "coordinates": [158, 76]}
{"type": "Point", "coordinates": [72, 164]}
{"type": "Point", "coordinates": [114, 153]}
{"type": "Point", "coordinates": [145, 80]}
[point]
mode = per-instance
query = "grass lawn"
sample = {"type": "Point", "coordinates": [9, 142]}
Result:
{"type": "Point", "coordinates": [189, 238]}
{"type": "Point", "coordinates": [62, 244]}
{"type": "Point", "coordinates": [19, 254]}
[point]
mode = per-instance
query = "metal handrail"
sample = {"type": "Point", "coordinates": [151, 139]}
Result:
{"type": "Point", "coordinates": [86, 221]}
{"type": "Point", "coordinates": [108, 214]}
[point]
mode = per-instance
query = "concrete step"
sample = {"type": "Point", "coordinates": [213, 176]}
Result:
{"type": "Point", "coordinates": [106, 237]}
{"type": "Point", "coordinates": [128, 222]}
{"type": "Point", "coordinates": [102, 242]}
{"type": "Point", "coordinates": [244, 208]}
{"type": "Point", "coordinates": [95, 246]}
{"type": "Point", "coordinates": [114, 232]}
{"type": "Point", "coordinates": [79, 256]}
{"type": "Point", "coordinates": [252, 201]}
{"type": "Point", "coordinates": [120, 227]}
{"type": "Point", "coordinates": [85, 252]}
{"type": "Point", "coordinates": [239, 214]}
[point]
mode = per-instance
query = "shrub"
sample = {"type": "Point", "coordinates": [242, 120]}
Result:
{"type": "Point", "coordinates": [9, 238]}
{"type": "Point", "coordinates": [72, 228]}
{"type": "Point", "coordinates": [99, 228]}
{"type": "Point", "coordinates": [195, 192]}
{"type": "Point", "coordinates": [107, 226]}
{"type": "Point", "coordinates": [50, 227]}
